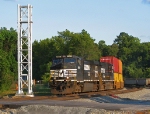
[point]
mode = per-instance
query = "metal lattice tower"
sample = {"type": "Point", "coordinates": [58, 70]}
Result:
{"type": "Point", "coordinates": [25, 49]}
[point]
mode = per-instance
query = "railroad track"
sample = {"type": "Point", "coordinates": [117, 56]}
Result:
{"type": "Point", "coordinates": [10, 101]}
{"type": "Point", "coordinates": [73, 96]}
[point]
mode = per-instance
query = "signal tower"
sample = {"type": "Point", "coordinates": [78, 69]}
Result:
{"type": "Point", "coordinates": [25, 49]}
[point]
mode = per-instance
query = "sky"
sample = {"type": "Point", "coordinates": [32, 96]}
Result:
{"type": "Point", "coordinates": [102, 19]}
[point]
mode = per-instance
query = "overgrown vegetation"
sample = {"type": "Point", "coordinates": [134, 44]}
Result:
{"type": "Point", "coordinates": [8, 61]}
{"type": "Point", "coordinates": [41, 90]}
{"type": "Point", "coordinates": [134, 54]}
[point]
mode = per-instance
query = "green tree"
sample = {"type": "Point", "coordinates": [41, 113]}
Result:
{"type": "Point", "coordinates": [129, 54]}
{"type": "Point", "coordinates": [108, 50]}
{"type": "Point", "coordinates": [8, 53]}
{"type": "Point", "coordinates": [80, 44]}
{"type": "Point", "coordinates": [43, 52]}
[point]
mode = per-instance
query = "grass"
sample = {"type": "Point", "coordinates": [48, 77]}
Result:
{"type": "Point", "coordinates": [41, 90]}
{"type": "Point", "coordinates": [9, 92]}
{"type": "Point", "coordinates": [38, 90]}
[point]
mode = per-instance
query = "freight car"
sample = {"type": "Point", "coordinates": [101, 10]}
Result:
{"type": "Point", "coordinates": [137, 81]}
{"type": "Point", "coordinates": [117, 69]}
{"type": "Point", "coordinates": [72, 74]}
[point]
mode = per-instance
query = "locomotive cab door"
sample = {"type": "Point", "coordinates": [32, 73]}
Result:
{"type": "Point", "coordinates": [80, 72]}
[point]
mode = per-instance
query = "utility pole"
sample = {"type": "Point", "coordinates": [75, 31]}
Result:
{"type": "Point", "coordinates": [25, 50]}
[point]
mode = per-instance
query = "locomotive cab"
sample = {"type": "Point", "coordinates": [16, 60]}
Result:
{"type": "Point", "coordinates": [63, 73]}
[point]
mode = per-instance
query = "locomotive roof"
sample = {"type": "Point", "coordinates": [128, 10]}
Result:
{"type": "Point", "coordinates": [91, 62]}
{"type": "Point", "coordinates": [68, 56]}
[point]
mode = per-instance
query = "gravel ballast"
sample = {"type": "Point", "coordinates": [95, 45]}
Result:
{"type": "Point", "coordinates": [143, 94]}
{"type": "Point", "coordinates": [44, 109]}
{"type": "Point", "coordinates": [141, 97]}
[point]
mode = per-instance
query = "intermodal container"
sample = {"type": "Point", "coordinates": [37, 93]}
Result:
{"type": "Point", "coordinates": [117, 83]}
{"type": "Point", "coordinates": [116, 77]}
{"type": "Point", "coordinates": [120, 78]}
{"type": "Point", "coordinates": [112, 60]}
{"type": "Point", "coordinates": [120, 66]}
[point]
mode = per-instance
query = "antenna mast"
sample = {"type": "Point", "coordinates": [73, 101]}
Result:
{"type": "Point", "coordinates": [25, 49]}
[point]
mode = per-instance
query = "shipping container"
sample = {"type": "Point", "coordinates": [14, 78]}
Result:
{"type": "Point", "coordinates": [116, 77]}
{"type": "Point", "coordinates": [112, 60]}
{"type": "Point", "coordinates": [117, 83]}
{"type": "Point", "coordinates": [120, 77]}
{"type": "Point", "coordinates": [120, 66]}
{"type": "Point", "coordinates": [122, 84]}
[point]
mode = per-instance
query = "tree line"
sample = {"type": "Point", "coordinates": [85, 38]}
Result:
{"type": "Point", "coordinates": [133, 53]}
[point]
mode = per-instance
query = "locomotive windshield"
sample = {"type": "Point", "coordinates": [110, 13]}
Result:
{"type": "Point", "coordinates": [64, 63]}
{"type": "Point", "coordinates": [57, 61]}
{"type": "Point", "coordinates": [70, 63]}
{"type": "Point", "coordinates": [69, 60]}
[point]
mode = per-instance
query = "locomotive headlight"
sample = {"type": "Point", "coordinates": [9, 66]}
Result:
{"type": "Point", "coordinates": [67, 77]}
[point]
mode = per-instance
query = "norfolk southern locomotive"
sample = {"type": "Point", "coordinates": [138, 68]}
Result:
{"type": "Point", "coordinates": [72, 74]}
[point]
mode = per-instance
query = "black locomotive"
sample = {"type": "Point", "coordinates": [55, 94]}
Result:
{"type": "Point", "coordinates": [73, 74]}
